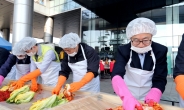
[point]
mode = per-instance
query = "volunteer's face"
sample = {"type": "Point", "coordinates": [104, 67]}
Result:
{"type": "Point", "coordinates": [21, 56]}
{"type": "Point", "coordinates": [31, 50]}
{"type": "Point", "coordinates": [70, 50]}
{"type": "Point", "coordinates": [141, 40]}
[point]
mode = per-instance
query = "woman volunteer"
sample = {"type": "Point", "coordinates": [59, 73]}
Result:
{"type": "Point", "coordinates": [83, 61]}
{"type": "Point", "coordinates": [18, 59]}
{"type": "Point", "coordinates": [140, 69]}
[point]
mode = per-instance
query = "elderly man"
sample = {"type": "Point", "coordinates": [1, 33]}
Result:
{"type": "Point", "coordinates": [83, 61]}
{"type": "Point", "coordinates": [44, 63]}
{"type": "Point", "coordinates": [140, 69]}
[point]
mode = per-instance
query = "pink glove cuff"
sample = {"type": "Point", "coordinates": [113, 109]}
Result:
{"type": "Point", "coordinates": [120, 87]}
{"type": "Point", "coordinates": [154, 94]}
{"type": "Point", "coordinates": [1, 79]}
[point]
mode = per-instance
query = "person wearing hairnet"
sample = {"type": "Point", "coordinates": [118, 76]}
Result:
{"type": "Point", "coordinates": [21, 61]}
{"type": "Point", "coordinates": [140, 69]}
{"type": "Point", "coordinates": [44, 63]}
{"type": "Point", "coordinates": [178, 74]}
{"type": "Point", "coordinates": [83, 61]}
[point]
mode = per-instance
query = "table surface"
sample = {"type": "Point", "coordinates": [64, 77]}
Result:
{"type": "Point", "coordinates": [83, 101]}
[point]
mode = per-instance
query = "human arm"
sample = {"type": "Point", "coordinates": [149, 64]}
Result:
{"type": "Point", "coordinates": [120, 88]}
{"type": "Point", "coordinates": [93, 60]}
{"type": "Point", "coordinates": [159, 79]}
{"type": "Point", "coordinates": [48, 58]}
{"type": "Point", "coordinates": [92, 68]}
{"type": "Point", "coordinates": [63, 75]}
{"type": "Point", "coordinates": [7, 66]}
{"type": "Point", "coordinates": [118, 84]}
{"type": "Point", "coordinates": [32, 65]}
{"type": "Point", "coordinates": [3, 55]}
{"type": "Point", "coordinates": [65, 69]}
{"type": "Point", "coordinates": [178, 74]}
{"type": "Point", "coordinates": [121, 61]}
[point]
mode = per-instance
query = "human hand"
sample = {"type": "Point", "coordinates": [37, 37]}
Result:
{"type": "Point", "coordinates": [180, 85]}
{"type": "Point", "coordinates": [34, 85]}
{"type": "Point", "coordinates": [75, 86]}
{"type": "Point", "coordinates": [130, 103]}
{"type": "Point", "coordinates": [150, 103]}
{"type": "Point", "coordinates": [17, 84]}
{"type": "Point", "coordinates": [61, 81]}
{"type": "Point", "coordinates": [153, 96]}
{"type": "Point", "coordinates": [56, 90]}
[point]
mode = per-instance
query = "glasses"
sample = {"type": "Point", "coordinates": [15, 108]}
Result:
{"type": "Point", "coordinates": [137, 41]}
{"type": "Point", "coordinates": [69, 50]}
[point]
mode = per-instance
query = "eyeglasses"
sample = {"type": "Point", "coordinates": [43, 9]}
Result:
{"type": "Point", "coordinates": [137, 41]}
{"type": "Point", "coordinates": [69, 50]}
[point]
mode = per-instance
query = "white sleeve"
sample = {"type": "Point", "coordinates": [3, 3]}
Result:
{"type": "Point", "coordinates": [47, 60]}
{"type": "Point", "coordinates": [33, 65]}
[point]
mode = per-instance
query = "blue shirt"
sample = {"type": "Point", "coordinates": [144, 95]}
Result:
{"type": "Point", "coordinates": [142, 57]}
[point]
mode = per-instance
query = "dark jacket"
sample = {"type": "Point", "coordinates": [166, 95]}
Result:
{"type": "Point", "coordinates": [3, 55]}
{"type": "Point", "coordinates": [91, 56]}
{"type": "Point", "coordinates": [159, 79]}
{"type": "Point", "coordinates": [10, 62]}
{"type": "Point", "coordinates": [179, 61]}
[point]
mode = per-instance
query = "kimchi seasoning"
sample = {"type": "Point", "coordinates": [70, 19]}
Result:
{"type": "Point", "coordinates": [4, 95]}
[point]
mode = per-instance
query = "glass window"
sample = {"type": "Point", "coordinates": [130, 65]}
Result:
{"type": "Point", "coordinates": [52, 12]}
{"type": "Point", "coordinates": [68, 0]}
{"type": "Point", "coordinates": [65, 7]}
{"type": "Point", "coordinates": [56, 2]}
{"type": "Point", "coordinates": [62, 1]}
{"type": "Point", "coordinates": [51, 3]}
{"type": "Point", "coordinates": [169, 20]}
{"type": "Point", "coordinates": [57, 9]}
{"type": "Point", "coordinates": [71, 5]}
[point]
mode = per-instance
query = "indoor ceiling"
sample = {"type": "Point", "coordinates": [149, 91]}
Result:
{"type": "Point", "coordinates": [6, 9]}
{"type": "Point", "coordinates": [122, 11]}
{"type": "Point", "coordinates": [6, 20]}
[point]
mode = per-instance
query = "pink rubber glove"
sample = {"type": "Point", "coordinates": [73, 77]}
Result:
{"type": "Point", "coordinates": [1, 79]}
{"type": "Point", "coordinates": [153, 95]}
{"type": "Point", "coordinates": [120, 88]}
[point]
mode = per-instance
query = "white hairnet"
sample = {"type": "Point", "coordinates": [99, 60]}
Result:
{"type": "Point", "coordinates": [27, 43]}
{"type": "Point", "coordinates": [69, 40]}
{"type": "Point", "coordinates": [17, 50]}
{"type": "Point", "coordinates": [140, 25]}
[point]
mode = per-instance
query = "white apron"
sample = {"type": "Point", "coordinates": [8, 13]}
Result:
{"type": "Point", "coordinates": [79, 70]}
{"type": "Point", "coordinates": [21, 70]}
{"type": "Point", "coordinates": [139, 81]}
{"type": "Point", "coordinates": [50, 76]}
{"type": "Point", "coordinates": [11, 74]}
{"type": "Point", "coordinates": [181, 102]}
